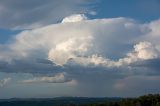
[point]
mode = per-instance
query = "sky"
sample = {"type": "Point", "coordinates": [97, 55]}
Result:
{"type": "Point", "coordinates": [79, 48]}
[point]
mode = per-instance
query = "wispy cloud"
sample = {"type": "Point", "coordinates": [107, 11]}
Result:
{"type": "Point", "coordinates": [33, 13]}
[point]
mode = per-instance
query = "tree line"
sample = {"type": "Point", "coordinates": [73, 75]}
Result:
{"type": "Point", "coordinates": [146, 100]}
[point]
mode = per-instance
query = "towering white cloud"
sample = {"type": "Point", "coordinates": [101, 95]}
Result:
{"type": "Point", "coordinates": [86, 42]}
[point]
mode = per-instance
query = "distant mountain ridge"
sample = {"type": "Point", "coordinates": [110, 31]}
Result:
{"type": "Point", "coordinates": [55, 101]}
{"type": "Point", "coordinates": [146, 100]}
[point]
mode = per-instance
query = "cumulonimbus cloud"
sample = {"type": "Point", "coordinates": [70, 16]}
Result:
{"type": "Point", "coordinates": [94, 53]}
{"type": "Point", "coordinates": [86, 42]}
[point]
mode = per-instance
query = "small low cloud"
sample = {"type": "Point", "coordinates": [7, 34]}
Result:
{"type": "Point", "coordinates": [58, 78]}
{"type": "Point", "coordinates": [4, 81]}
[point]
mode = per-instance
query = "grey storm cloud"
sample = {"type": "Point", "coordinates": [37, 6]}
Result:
{"type": "Point", "coordinates": [22, 14]}
{"type": "Point", "coordinates": [150, 66]}
{"type": "Point", "coordinates": [34, 66]}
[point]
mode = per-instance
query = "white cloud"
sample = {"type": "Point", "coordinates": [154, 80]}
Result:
{"type": "Point", "coordinates": [154, 34]}
{"type": "Point", "coordinates": [69, 49]}
{"type": "Point", "coordinates": [74, 18]}
{"type": "Point", "coordinates": [145, 50]}
{"type": "Point", "coordinates": [58, 78]}
{"type": "Point", "coordinates": [4, 81]}
{"type": "Point", "coordinates": [142, 51]}
{"type": "Point", "coordinates": [86, 42]}
{"type": "Point", "coordinates": [154, 26]}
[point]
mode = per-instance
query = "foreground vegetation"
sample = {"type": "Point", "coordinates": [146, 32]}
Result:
{"type": "Point", "coordinates": [146, 100]}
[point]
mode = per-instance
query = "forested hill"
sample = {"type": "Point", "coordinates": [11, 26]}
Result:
{"type": "Point", "coordinates": [146, 100]}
